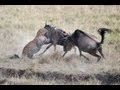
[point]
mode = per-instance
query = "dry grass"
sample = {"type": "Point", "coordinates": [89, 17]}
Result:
{"type": "Point", "coordinates": [19, 24]}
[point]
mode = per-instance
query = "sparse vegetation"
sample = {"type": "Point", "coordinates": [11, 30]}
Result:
{"type": "Point", "coordinates": [19, 25]}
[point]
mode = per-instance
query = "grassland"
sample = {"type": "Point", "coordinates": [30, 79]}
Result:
{"type": "Point", "coordinates": [20, 23]}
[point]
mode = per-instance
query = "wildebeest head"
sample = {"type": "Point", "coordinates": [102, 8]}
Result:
{"type": "Point", "coordinates": [58, 32]}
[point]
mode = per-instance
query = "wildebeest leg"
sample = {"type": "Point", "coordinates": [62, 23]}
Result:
{"type": "Point", "coordinates": [46, 49]}
{"type": "Point", "coordinates": [100, 51]}
{"type": "Point", "coordinates": [82, 54]}
{"type": "Point", "coordinates": [94, 54]}
{"type": "Point", "coordinates": [64, 54]}
{"type": "Point", "coordinates": [85, 57]}
{"type": "Point", "coordinates": [54, 44]}
{"type": "Point", "coordinates": [54, 48]}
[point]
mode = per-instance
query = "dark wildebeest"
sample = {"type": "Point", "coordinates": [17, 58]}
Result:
{"type": "Point", "coordinates": [87, 44]}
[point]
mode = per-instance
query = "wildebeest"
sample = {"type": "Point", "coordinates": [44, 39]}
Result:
{"type": "Point", "coordinates": [55, 38]}
{"type": "Point", "coordinates": [87, 44]}
{"type": "Point", "coordinates": [46, 35]}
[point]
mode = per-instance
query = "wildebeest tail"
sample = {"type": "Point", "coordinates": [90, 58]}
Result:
{"type": "Point", "coordinates": [102, 32]}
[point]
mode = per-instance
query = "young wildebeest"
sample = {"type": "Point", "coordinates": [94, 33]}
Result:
{"type": "Point", "coordinates": [87, 44]}
{"type": "Point", "coordinates": [35, 45]}
{"type": "Point", "coordinates": [56, 36]}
